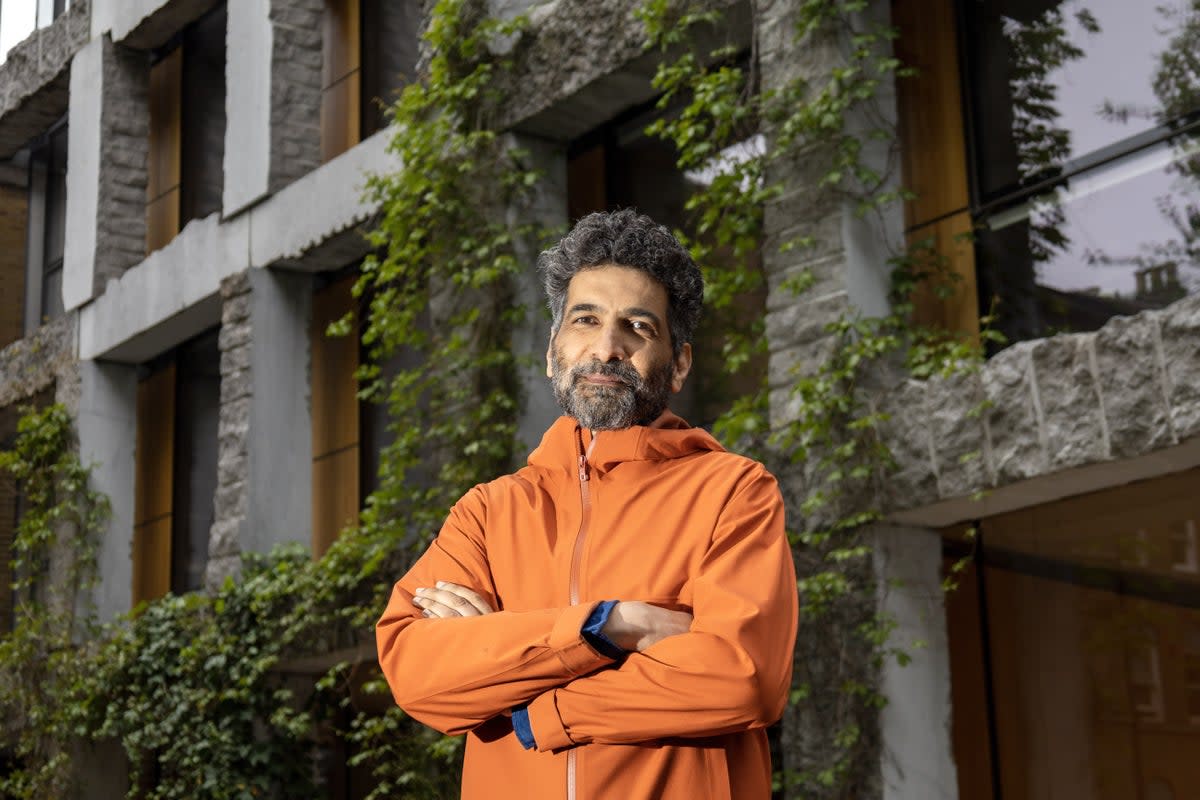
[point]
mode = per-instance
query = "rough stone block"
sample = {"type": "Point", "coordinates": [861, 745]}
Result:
{"type": "Point", "coordinates": [1131, 385]}
{"type": "Point", "coordinates": [907, 435]}
{"type": "Point", "coordinates": [236, 307]}
{"type": "Point", "coordinates": [954, 408]}
{"type": "Point", "coordinates": [234, 360]}
{"type": "Point", "coordinates": [1011, 417]}
{"type": "Point", "coordinates": [234, 416]}
{"type": "Point", "coordinates": [229, 501]}
{"type": "Point", "coordinates": [235, 386]}
{"type": "Point", "coordinates": [1180, 332]}
{"type": "Point", "coordinates": [1070, 398]}
{"type": "Point", "coordinates": [804, 321]}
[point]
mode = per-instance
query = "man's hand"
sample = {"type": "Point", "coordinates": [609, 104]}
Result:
{"type": "Point", "coordinates": [635, 626]}
{"type": "Point", "coordinates": [450, 600]}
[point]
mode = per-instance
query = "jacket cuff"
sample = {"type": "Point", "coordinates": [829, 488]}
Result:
{"type": "Point", "coordinates": [593, 631]}
{"type": "Point", "coordinates": [520, 723]}
{"type": "Point", "coordinates": [566, 639]}
{"type": "Point", "coordinates": [546, 726]}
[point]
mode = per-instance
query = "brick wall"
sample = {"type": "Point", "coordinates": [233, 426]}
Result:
{"type": "Point", "coordinates": [13, 219]}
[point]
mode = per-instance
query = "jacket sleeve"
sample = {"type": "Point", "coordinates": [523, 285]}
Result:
{"type": "Point", "coordinates": [731, 672]}
{"type": "Point", "coordinates": [454, 674]}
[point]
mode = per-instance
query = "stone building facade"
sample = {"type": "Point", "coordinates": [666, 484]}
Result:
{"type": "Point", "coordinates": [185, 344]}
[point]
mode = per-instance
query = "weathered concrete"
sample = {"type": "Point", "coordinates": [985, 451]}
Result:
{"type": "Point", "coordinates": [915, 723]}
{"type": "Point", "coordinates": [144, 24]}
{"type": "Point", "coordinates": [34, 82]}
{"type": "Point", "coordinates": [248, 65]}
{"type": "Point", "coordinates": [168, 298]}
{"type": "Point", "coordinates": [107, 425]}
{"type": "Point", "coordinates": [106, 182]}
{"type": "Point", "coordinates": [301, 226]}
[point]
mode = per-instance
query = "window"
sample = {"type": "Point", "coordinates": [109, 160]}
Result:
{"type": "Point", "coordinates": [370, 53]}
{"type": "Point", "coordinates": [1054, 158]}
{"type": "Point", "coordinates": [1075, 647]}
{"type": "Point", "coordinates": [178, 404]}
{"type": "Point", "coordinates": [187, 129]}
{"type": "Point", "coordinates": [336, 483]}
{"type": "Point", "coordinates": [1085, 177]}
{"type": "Point", "coordinates": [619, 166]}
{"type": "Point", "coordinates": [14, 205]}
{"type": "Point", "coordinates": [46, 231]}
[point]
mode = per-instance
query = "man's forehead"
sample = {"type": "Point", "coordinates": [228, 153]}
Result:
{"type": "Point", "coordinates": [610, 284]}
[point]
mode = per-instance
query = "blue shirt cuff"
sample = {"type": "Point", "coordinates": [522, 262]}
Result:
{"type": "Point", "coordinates": [592, 631]}
{"type": "Point", "coordinates": [520, 723]}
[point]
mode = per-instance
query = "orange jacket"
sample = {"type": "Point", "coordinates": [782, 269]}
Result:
{"type": "Point", "coordinates": [660, 514]}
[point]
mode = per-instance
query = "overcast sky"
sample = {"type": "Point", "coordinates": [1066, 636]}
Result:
{"type": "Point", "coordinates": [17, 19]}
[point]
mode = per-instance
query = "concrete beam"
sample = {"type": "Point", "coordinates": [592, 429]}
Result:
{"type": "Point", "coordinates": [145, 24]}
{"type": "Point", "coordinates": [107, 425]}
{"type": "Point", "coordinates": [247, 104]}
{"type": "Point", "coordinates": [83, 177]}
{"type": "Point", "coordinates": [168, 298]}
{"type": "Point", "coordinates": [918, 759]}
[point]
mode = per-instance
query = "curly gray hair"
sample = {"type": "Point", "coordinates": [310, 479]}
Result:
{"type": "Point", "coordinates": [628, 239]}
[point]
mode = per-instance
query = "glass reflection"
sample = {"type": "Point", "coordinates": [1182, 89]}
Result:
{"type": "Point", "coordinates": [1086, 163]}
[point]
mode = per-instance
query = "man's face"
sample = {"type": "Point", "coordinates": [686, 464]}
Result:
{"type": "Point", "coordinates": [610, 361]}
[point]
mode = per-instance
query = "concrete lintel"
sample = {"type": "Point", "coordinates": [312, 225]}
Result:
{"type": "Point", "coordinates": [34, 78]}
{"type": "Point", "coordinates": [1048, 488]}
{"type": "Point", "coordinates": [310, 224]}
{"type": "Point", "coordinates": [247, 104]}
{"type": "Point", "coordinates": [83, 178]}
{"type": "Point", "coordinates": [145, 24]}
{"type": "Point", "coordinates": [167, 298]}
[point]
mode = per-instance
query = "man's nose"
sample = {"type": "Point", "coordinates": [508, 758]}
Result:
{"type": "Point", "coordinates": [610, 345]}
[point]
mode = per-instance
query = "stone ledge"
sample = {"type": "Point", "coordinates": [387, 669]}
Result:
{"type": "Point", "coordinates": [1080, 406]}
{"type": "Point", "coordinates": [29, 365]}
{"type": "Point", "coordinates": [35, 78]}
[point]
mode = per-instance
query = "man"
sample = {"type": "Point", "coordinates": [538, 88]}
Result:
{"type": "Point", "coordinates": [616, 619]}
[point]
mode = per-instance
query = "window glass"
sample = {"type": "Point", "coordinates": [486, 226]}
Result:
{"type": "Point", "coordinates": [391, 32]}
{"type": "Point", "coordinates": [1089, 662]}
{"type": "Point", "coordinates": [55, 224]}
{"type": "Point", "coordinates": [1086, 172]}
{"type": "Point", "coordinates": [197, 407]}
{"type": "Point", "coordinates": [203, 98]}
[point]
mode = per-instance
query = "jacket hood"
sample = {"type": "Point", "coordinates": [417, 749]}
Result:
{"type": "Point", "coordinates": [665, 438]}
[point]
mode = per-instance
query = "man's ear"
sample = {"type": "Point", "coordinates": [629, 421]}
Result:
{"type": "Point", "coordinates": [683, 365]}
{"type": "Point", "coordinates": [550, 357]}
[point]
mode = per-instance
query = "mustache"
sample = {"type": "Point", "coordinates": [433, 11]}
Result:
{"type": "Point", "coordinates": [621, 370]}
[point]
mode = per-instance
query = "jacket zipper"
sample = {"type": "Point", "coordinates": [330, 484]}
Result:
{"type": "Point", "coordinates": [576, 561]}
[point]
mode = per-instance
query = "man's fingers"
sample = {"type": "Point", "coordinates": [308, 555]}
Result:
{"type": "Point", "coordinates": [451, 600]}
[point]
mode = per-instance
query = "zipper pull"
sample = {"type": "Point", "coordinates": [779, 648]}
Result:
{"type": "Point", "coordinates": [583, 476]}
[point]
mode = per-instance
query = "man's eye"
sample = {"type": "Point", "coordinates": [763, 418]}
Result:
{"type": "Point", "coordinates": [585, 320]}
{"type": "Point", "coordinates": [639, 325]}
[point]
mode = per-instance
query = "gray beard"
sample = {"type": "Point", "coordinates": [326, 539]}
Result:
{"type": "Point", "coordinates": [636, 401]}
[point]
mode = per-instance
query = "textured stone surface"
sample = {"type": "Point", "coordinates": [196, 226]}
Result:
{"type": "Point", "coordinates": [954, 417]}
{"type": "Point", "coordinates": [1012, 416]}
{"type": "Point", "coordinates": [124, 149]}
{"type": "Point", "coordinates": [1075, 427]}
{"type": "Point", "coordinates": [1131, 384]}
{"type": "Point", "coordinates": [34, 79]}
{"type": "Point", "coordinates": [233, 426]}
{"type": "Point", "coordinates": [1180, 337]}
{"type": "Point", "coordinates": [296, 42]}
{"type": "Point", "coordinates": [39, 361]}
{"type": "Point", "coordinates": [804, 321]}
{"type": "Point", "coordinates": [908, 436]}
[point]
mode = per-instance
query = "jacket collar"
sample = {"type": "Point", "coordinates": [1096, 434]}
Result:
{"type": "Point", "coordinates": [665, 438]}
